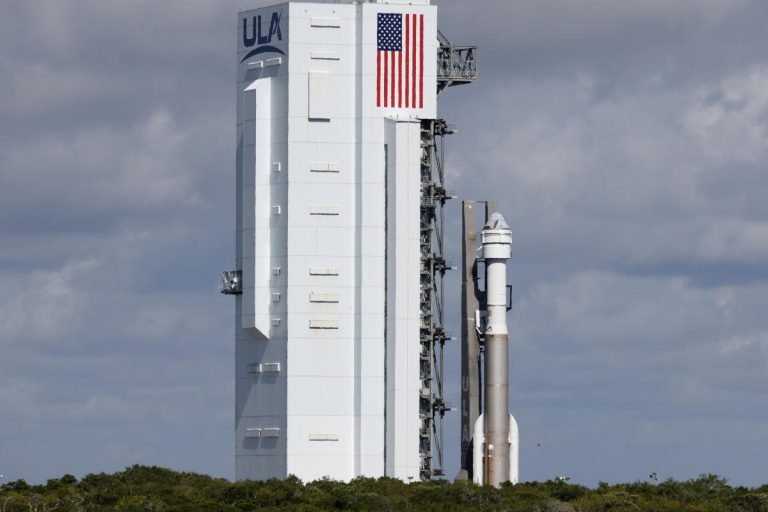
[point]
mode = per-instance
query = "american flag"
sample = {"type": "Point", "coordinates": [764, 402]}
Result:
{"type": "Point", "coordinates": [400, 60]}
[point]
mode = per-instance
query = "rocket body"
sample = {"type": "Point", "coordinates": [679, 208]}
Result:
{"type": "Point", "coordinates": [498, 428]}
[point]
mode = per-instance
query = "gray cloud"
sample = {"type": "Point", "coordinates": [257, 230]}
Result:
{"type": "Point", "coordinates": [626, 142]}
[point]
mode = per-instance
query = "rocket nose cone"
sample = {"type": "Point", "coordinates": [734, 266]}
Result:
{"type": "Point", "coordinates": [496, 222]}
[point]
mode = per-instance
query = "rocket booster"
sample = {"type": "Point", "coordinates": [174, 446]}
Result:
{"type": "Point", "coordinates": [495, 432]}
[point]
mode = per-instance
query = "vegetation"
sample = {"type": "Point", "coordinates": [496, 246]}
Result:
{"type": "Point", "coordinates": [141, 488]}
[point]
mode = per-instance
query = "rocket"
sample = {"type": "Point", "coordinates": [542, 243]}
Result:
{"type": "Point", "coordinates": [495, 437]}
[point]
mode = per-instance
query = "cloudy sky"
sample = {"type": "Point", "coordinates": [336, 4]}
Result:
{"type": "Point", "coordinates": [625, 140]}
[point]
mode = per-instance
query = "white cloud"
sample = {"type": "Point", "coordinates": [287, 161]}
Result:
{"type": "Point", "coordinates": [95, 170]}
{"type": "Point", "coordinates": [728, 121]}
{"type": "Point", "coordinates": [757, 341]}
{"type": "Point", "coordinates": [89, 304]}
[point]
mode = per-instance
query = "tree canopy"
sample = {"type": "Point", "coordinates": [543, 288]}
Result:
{"type": "Point", "coordinates": [142, 488]}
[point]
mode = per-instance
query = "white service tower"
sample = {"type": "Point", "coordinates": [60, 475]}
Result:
{"type": "Point", "coordinates": [331, 103]}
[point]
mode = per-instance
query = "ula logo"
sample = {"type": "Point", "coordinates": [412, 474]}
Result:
{"type": "Point", "coordinates": [260, 39]}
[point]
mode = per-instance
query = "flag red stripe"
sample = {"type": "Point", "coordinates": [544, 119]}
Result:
{"type": "Point", "coordinates": [413, 71]}
{"type": "Point", "coordinates": [407, 55]}
{"type": "Point", "coordinates": [386, 78]}
{"type": "Point", "coordinates": [421, 61]}
{"type": "Point", "coordinates": [378, 79]}
{"type": "Point", "coordinates": [399, 79]}
{"type": "Point", "coordinates": [392, 77]}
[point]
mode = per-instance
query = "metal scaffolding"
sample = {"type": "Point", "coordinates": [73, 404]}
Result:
{"type": "Point", "coordinates": [433, 267]}
{"type": "Point", "coordinates": [456, 65]}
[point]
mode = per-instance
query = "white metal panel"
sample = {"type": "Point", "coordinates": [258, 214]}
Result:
{"type": "Point", "coordinates": [262, 394]}
{"type": "Point", "coordinates": [316, 299]}
{"type": "Point", "coordinates": [329, 236]}
{"type": "Point", "coordinates": [319, 96]}
{"type": "Point", "coordinates": [371, 310]}
{"type": "Point", "coordinates": [259, 446]}
{"type": "Point", "coordinates": [324, 55]}
{"type": "Point", "coordinates": [316, 360]}
{"type": "Point", "coordinates": [338, 130]}
{"type": "Point", "coordinates": [409, 137]}
{"type": "Point", "coordinates": [309, 195]}
{"type": "Point", "coordinates": [257, 106]}
{"type": "Point", "coordinates": [261, 64]}
{"type": "Point", "coordinates": [270, 432]}
{"type": "Point", "coordinates": [270, 367]}
{"type": "Point", "coordinates": [309, 56]}
{"type": "Point", "coordinates": [324, 297]}
{"type": "Point", "coordinates": [323, 209]}
{"type": "Point", "coordinates": [307, 18]}
{"type": "Point", "coordinates": [247, 353]}
{"type": "Point", "coordinates": [260, 466]}
{"type": "Point", "coordinates": [375, 244]}
{"type": "Point", "coordinates": [330, 465]}
{"type": "Point", "coordinates": [338, 160]}
{"type": "Point", "coordinates": [323, 271]}
{"type": "Point", "coordinates": [342, 126]}
{"type": "Point", "coordinates": [322, 396]}
{"type": "Point", "coordinates": [302, 426]}
{"type": "Point", "coordinates": [319, 436]}
{"type": "Point", "coordinates": [403, 258]}
{"type": "Point", "coordinates": [325, 21]}
{"type": "Point", "coordinates": [373, 427]}
{"type": "Point", "coordinates": [370, 366]}
{"type": "Point", "coordinates": [252, 433]}
{"type": "Point", "coordinates": [324, 167]}
{"type": "Point", "coordinates": [323, 323]}
{"type": "Point", "coordinates": [375, 305]}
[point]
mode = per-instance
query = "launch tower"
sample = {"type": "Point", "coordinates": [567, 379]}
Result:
{"type": "Point", "coordinates": [339, 264]}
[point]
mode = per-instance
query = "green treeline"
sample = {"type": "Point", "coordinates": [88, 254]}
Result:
{"type": "Point", "coordinates": [141, 488]}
